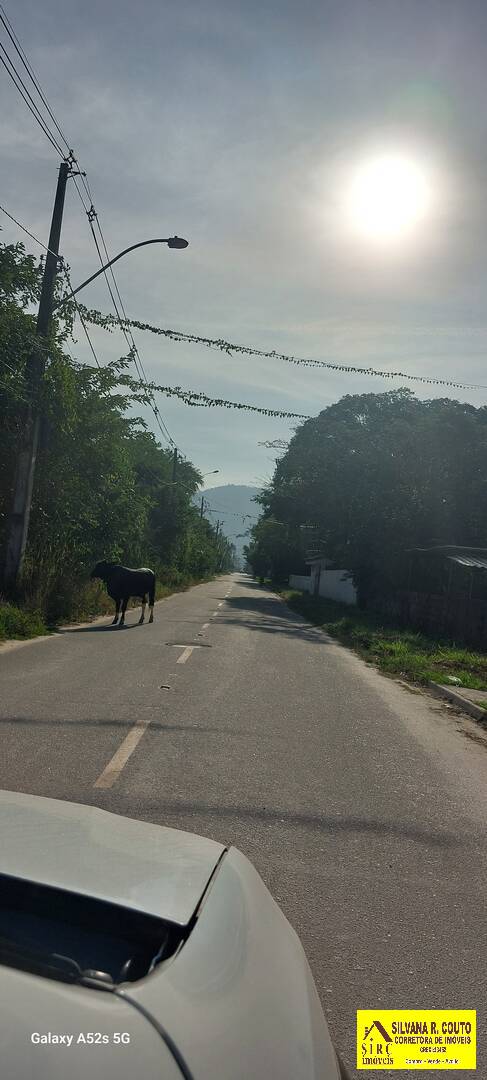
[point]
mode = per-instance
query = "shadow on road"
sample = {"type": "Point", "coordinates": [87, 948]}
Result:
{"type": "Point", "coordinates": [127, 722]}
{"type": "Point", "coordinates": [312, 822]}
{"type": "Point", "coordinates": [96, 629]}
{"type": "Point", "coordinates": [304, 631]}
{"type": "Point", "coordinates": [269, 616]}
{"type": "Point", "coordinates": [265, 613]}
{"type": "Point", "coordinates": [251, 584]}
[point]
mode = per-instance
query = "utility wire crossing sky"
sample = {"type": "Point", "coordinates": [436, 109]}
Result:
{"type": "Point", "coordinates": [326, 165]}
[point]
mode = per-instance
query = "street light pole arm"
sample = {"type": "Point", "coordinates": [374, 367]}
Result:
{"type": "Point", "coordinates": [172, 241]}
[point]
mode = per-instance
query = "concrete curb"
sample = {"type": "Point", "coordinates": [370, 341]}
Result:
{"type": "Point", "coordinates": [456, 698]}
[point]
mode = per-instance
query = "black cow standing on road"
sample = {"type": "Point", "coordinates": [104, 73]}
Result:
{"type": "Point", "coordinates": [122, 583]}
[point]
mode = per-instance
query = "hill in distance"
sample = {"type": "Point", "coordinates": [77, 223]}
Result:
{"type": "Point", "coordinates": [233, 505]}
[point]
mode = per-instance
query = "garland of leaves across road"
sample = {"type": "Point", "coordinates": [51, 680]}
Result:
{"type": "Point", "coordinates": [110, 323]}
{"type": "Point", "coordinates": [197, 399]}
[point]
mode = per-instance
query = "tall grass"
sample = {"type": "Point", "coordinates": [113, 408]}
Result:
{"type": "Point", "coordinates": [394, 649]}
{"type": "Point", "coordinates": [87, 602]}
{"type": "Point", "coordinates": [15, 623]}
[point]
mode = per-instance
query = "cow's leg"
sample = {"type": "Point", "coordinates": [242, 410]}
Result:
{"type": "Point", "coordinates": [124, 608]}
{"type": "Point", "coordinates": [117, 610]}
{"type": "Point", "coordinates": [144, 601]}
{"type": "Point", "coordinates": [151, 612]}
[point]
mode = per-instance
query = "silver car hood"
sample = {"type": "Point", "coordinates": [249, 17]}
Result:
{"type": "Point", "coordinates": [148, 868]}
{"type": "Point", "coordinates": [35, 1009]}
{"type": "Point", "coordinates": [239, 999]}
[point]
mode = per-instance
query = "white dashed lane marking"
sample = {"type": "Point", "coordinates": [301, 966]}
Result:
{"type": "Point", "coordinates": [185, 655]}
{"type": "Point", "coordinates": [119, 760]}
{"type": "Point", "coordinates": [112, 771]}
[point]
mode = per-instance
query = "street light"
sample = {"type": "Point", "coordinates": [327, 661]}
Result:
{"type": "Point", "coordinates": [18, 525]}
{"type": "Point", "coordinates": [212, 473]}
{"type": "Point", "coordinates": [171, 241]}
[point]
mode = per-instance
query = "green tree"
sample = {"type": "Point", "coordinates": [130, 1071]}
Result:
{"type": "Point", "coordinates": [380, 473]}
{"type": "Point", "coordinates": [276, 548]}
{"type": "Point", "coordinates": [103, 485]}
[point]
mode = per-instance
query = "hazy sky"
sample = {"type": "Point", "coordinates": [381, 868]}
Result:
{"type": "Point", "coordinates": [241, 126]}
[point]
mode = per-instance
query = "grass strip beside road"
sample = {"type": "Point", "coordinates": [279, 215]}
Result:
{"type": "Point", "coordinates": [21, 623]}
{"type": "Point", "coordinates": [15, 623]}
{"type": "Point", "coordinates": [395, 650]}
{"type": "Point", "coordinates": [94, 600]}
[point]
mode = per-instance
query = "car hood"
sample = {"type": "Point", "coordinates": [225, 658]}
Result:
{"type": "Point", "coordinates": [82, 849]}
{"type": "Point", "coordinates": [51, 1031]}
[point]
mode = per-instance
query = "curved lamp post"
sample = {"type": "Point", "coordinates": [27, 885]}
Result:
{"type": "Point", "coordinates": [171, 241]}
{"type": "Point", "coordinates": [18, 524]}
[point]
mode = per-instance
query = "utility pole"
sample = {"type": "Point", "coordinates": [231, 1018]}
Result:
{"type": "Point", "coordinates": [173, 499]}
{"type": "Point", "coordinates": [202, 506]}
{"type": "Point", "coordinates": [217, 533]}
{"type": "Point", "coordinates": [18, 525]}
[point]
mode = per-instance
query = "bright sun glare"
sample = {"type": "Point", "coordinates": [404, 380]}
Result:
{"type": "Point", "coordinates": [388, 197]}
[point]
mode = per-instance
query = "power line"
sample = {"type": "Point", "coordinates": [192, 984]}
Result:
{"type": "Point", "coordinates": [230, 513]}
{"type": "Point", "coordinates": [78, 306]}
{"type": "Point", "coordinates": [92, 216]}
{"type": "Point", "coordinates": [66, 274]}
{"type": "Point", "coordinates": [100, 319]}
{"type": "Point", "coordinates": [29, 101]}
{"type": "Point", "coordinates": [199, 400]}
{"type": "Point", "coordinates": [122, 318]}
{"type": "Point", "coordinates": [38, 116]}
{"type": "Point", "coordinates": [89, 210]}
{"type": "Point", "coordinates": [75, 182]}
{"type": "Point", "coordinates": [216, 344]}
{"type": "Point", "coordinates": [4, 211]}
{"type": "Point", "coordinates": [81, 319]}
{"type": "Point", "coordinates": [30, 70]}
{"type": "Point", "coordinates": [120, 312]}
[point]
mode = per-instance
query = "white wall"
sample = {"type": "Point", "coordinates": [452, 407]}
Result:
{"type": "Point", "coordinates": [300, 581]}
{"type": "Point", "coordinates": [334, 588]}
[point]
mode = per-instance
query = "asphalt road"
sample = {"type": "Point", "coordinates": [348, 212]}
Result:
{"type": "Point", "coordinates": [362, 805]}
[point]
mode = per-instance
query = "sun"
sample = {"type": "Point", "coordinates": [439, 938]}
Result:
{"type": "Point", "coordinates": [388, 198]}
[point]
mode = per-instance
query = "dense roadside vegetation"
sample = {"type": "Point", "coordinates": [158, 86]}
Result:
{"type": "Point", "coordinates": [104, 486]}
{"type": "Point", "coordinates": [365, 484]}
{"type": "Point", "coordinates": [393, 649]}
{"type": "Point", "coordinates": [369, 478]}
{"type": "Point", "coordinates": [15, 623]}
